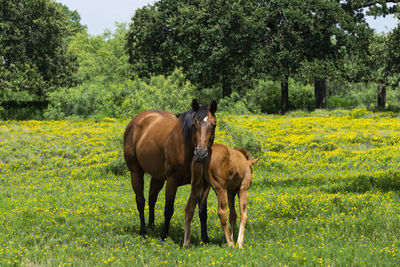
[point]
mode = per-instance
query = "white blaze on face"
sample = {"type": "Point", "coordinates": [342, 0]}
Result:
{"type": "Point", "coordinates": [205, 119]}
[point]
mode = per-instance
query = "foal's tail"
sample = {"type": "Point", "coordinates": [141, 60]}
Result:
{"type": "Point", "coordinates": [244, 152]}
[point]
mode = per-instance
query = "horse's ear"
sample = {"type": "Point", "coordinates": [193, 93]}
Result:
{"type": "Point", "coordinates": [195, 105]}
{"type": "Point", "coordinates": [254, 161]}
{"type": "Point", "coordinates": [213, 107]}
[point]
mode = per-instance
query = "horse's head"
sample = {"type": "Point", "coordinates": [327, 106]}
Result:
{"type": "Point", "coordinates": [203, 129]}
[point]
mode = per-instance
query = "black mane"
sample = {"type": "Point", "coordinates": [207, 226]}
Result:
{"type": "Point", "coordinates": [187, 120]}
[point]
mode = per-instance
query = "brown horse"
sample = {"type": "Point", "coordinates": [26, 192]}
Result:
{"type": "Point", "coordinates": [159, 143]}
{"type": "Point", "coordinates": [229, 174]}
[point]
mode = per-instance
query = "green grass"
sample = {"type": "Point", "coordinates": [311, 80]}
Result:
{"type": "Point", "coordinates": [325, 193]}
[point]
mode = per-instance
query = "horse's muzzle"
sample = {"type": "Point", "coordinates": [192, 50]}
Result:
{"type": "Point", "coordinates": [200, 154]}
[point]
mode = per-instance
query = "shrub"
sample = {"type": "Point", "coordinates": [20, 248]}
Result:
{"type": "Point", "coordinates": [335, 102]}
{"type": "Point", "coordinates": [96, 100]}
{"type": "Point", "coordinates": [242, 138]}
{"type": "Point", "coordinates": [172, 93]}
{"type": "Point", "coordinates": [87, 100]}
{"type": "Point", "coordinates": [237, 105]}
{"type": "Point", "coordinates": [301, 96]}
{"type": "Point", "coordinates": [267, 95]}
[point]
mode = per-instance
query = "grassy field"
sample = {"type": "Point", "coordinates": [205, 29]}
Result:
{"type": "Point", "coordinates": [326, 193]}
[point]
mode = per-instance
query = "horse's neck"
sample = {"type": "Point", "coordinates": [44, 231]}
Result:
{"type": "Point", "coordinates": [177, 139]}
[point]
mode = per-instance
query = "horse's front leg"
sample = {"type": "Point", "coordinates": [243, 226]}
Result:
{"type": "Point", "coordinates": [194, 198]}
{"type": "Point", "coordinates": [223, 216]}
{"type": "Point", "coordinates": [203, 215]}
{"type": "Point", "coordinates": [170, 193]}
{"type": "Point", "coordinates": [198, 187]}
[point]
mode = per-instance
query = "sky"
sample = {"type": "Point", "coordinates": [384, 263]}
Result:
{"type": "Point", "coordinates": [99, 15]}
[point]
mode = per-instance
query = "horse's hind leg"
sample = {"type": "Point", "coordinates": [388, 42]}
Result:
{"type": "Point", "coordinates": [170, 193]}
{"type": "Point", "coordinates": [137, 185]}
{"type": "Point", "coordinates": [232, 212]}
{"type": "Point", "coordinates": [155, 187]}
{"type": "Point", "coordinates": [243, 196]}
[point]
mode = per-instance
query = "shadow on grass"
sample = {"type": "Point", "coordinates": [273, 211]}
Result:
{"type": "Point", "coordinates": [354, 183]}
{"type": "Point", "coordinates": [361, 183]}
{"type": "Point", "coordinates": [176, 235]}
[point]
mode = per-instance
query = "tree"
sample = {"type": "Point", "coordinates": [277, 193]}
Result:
{"type": "Point", "coordinates": [393, 54]}
{"type": "Point", "coordinates": [212, 41]}
{"type": "Point", "coordinates": [33, 47]}
{"type": "Point", "coordinates": [305, 38]}
{"type": "Point", "coordinates": [230, 43]}
{"type": "Point", "coordinates": [101, 58]}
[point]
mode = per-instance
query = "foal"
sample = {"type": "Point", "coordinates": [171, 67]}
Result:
{"type": "Point", "coordinates": [229, 173]}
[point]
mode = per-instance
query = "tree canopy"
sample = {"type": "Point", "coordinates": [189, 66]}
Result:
{"type": "Point", "coordinates": [230, 43]}
{"type": "Point", "coordinates": [33, 46]}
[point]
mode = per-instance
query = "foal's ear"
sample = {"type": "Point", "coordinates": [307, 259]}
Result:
{"type": "Point", "coordinates": [195, 105]}
{"type": "Point", "coordinates": [213, 107]}
{"type": "Point", "coordinates": [254, 161]}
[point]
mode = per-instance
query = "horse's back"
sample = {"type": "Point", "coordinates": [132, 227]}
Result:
{"type": "Point", "coordinates": [145, 139]}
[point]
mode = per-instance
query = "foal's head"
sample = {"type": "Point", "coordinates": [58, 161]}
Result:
{"type": "Point", "coordinates": [203, 129]}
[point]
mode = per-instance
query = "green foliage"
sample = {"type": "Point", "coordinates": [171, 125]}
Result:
{"type": "Point", "coordinates": [33, 46]}
{"type": "Point", "coordinates": [21, 81]}
{"type": "Point", "coordinates": [393, 54]}
{"type": "Point", "coordinates": [266, 96]}
{"type": "Point", "coordinates": [301, 96]}
{"type": "Point", "coordinates": [340, 102]}
{"type": "Point", "coordinates": [87, 100]}
{"type": "Point", "coordinates": [241, 137]}
{"type": "Point", "coordinates": [212, 41]}
{"type": "Point", "coordinates": [172, 93]}
{"type": "Point", "coordinates": [101, 58]}
{"type": "Point", "coordinates": [230, 44]}
{"type": "Point", "coordinates": [346, 95]}
{"type": "Point", "coordinates": [126, 99]}
{"type": "Point", "coordinates": [235, 104]}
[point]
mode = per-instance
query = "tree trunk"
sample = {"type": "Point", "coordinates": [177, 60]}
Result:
{"type": "Point", "coordinates": [381, 96]}
{"type": "Point", "coordinates": [284, 95]}
{"type": "Point", "coordinates": [226, 89]}
{"type": "Point", "coordinates": [320, 93]}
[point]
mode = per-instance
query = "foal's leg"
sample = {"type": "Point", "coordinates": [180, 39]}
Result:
{"type": "Point", "coordinates": [222, 203]}
{"type": "Point", "coordinates": [155, 186]}
{"type": "Point", "coordinates": [243, 196]}
{"type": "Point", "coordinates": [170, 193]}
{"type": "Point", "coordinates": [194, 199]}
{"type": "Point", "coordinates": [232, 212]}
{"type": "Point", "coordinates": [203, 215]}
{"type": "Point", "coordinates": [137, 185]}
{"type": "Point", "coordinates": [197, 189]}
